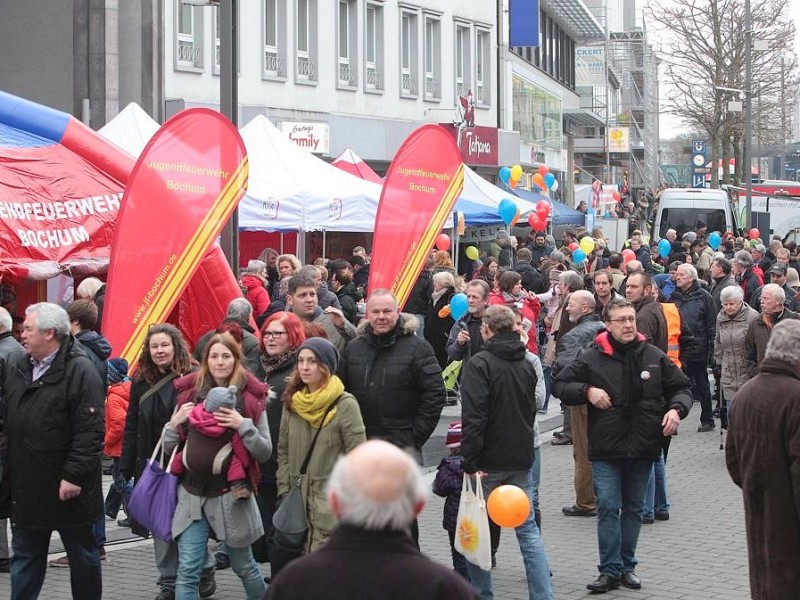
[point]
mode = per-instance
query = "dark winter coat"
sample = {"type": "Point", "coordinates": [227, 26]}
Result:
{"type": "Point", "coordinates": [97, 350]}
{"type": "Point", "coordinates": [348, 299]}
{"type": "Point", "coordinates": [716, 287]}
{"type": "Point", "coordinates": [498, 407]}
{"type": "Point", "coordinates": [532, 280]}
{"type": "Point", "coordinates": [761, 455]}
{"type": "Point", "coordinates": [571, 344]}
{"type": "Point", "coordinates": [643, 256]}
{"type": "Point", "coordinates": [456, 351]}
{"type": "Point", "coordinates": [9, 345]}
{"type": "Point", "coordinates": [368, 565]}
{"type": "Point", "coordinates": [437, 329]}
{"type": "Point", "coordinates": [250, 346]}
{"type": "Point", "coordinates": [447, 484]}
{"type": "Point", "coordinates": [539, 253]}
{"type": "Point", "coordinates": [788, 300]}
{"type": "Point", "coordinates": [650, 321]}
{"type": "Point", "coordinates": [750, 282]}
{"type": "Point", "coordinates": [99, 301]}
{"type": "Point", "coordinates": [397, 382]}
{"type": "Point", "coordinates": [361, 277]}
{"type": "Point", "coordinates": [420, 296]}
{"type": "Point", "coordinates": [54, 429]}
{"type": "Point", "coordinates": [699, 313]}
{"type": "Point", "coordinates": [631, 428]}
{"type": "Point", "coordinates": [327, 298]}
{"type": "Point", "coordinates": [276, 381]}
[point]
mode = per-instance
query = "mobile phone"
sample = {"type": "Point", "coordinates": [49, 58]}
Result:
{"type": "Point", "coordinates": [526, 325]}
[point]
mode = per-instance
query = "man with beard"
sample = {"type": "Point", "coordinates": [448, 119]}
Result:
{"type": "Point", "coordinates": [650, 319]}
{"type": "Point", "coordinates": [773, 311]}
{"type": "Point", "coordinates": [540, 249]}
{"type": "Point", "coordinates": [586, 325]}
{"type": "Point", "coordinates": [603, 290]}
{"type": "Point", "coordinates": [465, 338]}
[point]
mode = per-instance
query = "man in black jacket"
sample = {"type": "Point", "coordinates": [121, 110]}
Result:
{"type": "Point", "coordinates": [532, 279]}
{"type": "Point", "coordinates": [394, 375]}
{"type": "Point", "coordinates": [498, 410]}
{"type": "Point", "coordinates": [54, 426]}
{"type": "Point", "coordinates": [634, 395]}
{"type": "Point", "coordinates": [465, 338]}
{"type": "Point", "coordinates": [697, 351]}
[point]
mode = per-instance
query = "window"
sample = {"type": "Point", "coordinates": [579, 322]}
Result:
{"type": "Point", "coordinates": [274, 36]}
{"type": "Point", "coordinates": [189, 37]}
{"type": "Point", "coordinates": [348, 73]}
{"type": "Point", "coordinates": [409, 54]}
{"type": "Point", "coordinates": [555, 54]}
{"type": "Point", "coordinates": [483, 68]}
{"type": "Point", "coordinates": [433, 58]}
{"type": "Point", "coordinates": [373, 48]}
{"type": "Point", "coordinates": [462, 60]}
{"type": "Point", "coordinates": [306, 41]}
{"type": "Point", "coordinates": [216, 41]}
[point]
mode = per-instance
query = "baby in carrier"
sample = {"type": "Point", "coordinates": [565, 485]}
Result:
{"type": "Point", "coordinates": [210, 447]}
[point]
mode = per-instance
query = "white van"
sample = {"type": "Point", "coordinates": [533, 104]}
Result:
{"type": "Point", "coordinates": [681, 209]}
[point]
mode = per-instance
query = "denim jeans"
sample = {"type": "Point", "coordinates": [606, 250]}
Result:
{"type": "Point", "coordinates": [548, 384]}
{"type": "Point", "coordinates": [99, 532]}
{"type": "Point", "coordinates": [119, 493]}
{"type": "Point", "coordinates": [621, 487]}
{"type": "Point", "coordinates": [536, 477]}
{"type": "Point", "coordinates": [530, 541]}
{"type": "Point", "coordinates": [421, 329]}
{"type": "Point", "coordinates": [656, 502]}
{"type": "Point", "coordinates": [698, 373]}
{"type": "Point", "coordinates": [192, 551]}
{"type": "Point", "coordinates": [29, 563]}
{"type": "Point", "coordinates": [166, 558]}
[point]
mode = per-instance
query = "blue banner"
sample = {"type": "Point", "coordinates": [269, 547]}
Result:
{"type": "Point", "coordinates": [523, 19]}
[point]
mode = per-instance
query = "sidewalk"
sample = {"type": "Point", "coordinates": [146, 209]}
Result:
{"type": "Point", "coordinates": [699, 554]}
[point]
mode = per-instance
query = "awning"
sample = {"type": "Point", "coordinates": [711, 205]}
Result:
{"type": "Point", "coordinates": [584, 117]}
{"type": "Point", "coordinates": [575, 16]}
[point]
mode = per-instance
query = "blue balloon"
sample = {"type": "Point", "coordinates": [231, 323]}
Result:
{"type": "Point", "coordinates": [507, 210]}
{"type": "Point", "coordinates": [664, 248]}
{"type": "Point", "coordinates": [578, 255]}
{"type": "Point", "coordinates": [458, 306]}
{"type": "Point", "coordinates": [714, 240]}
{"type": "Point", "coordinates": [549, 180]}
{"type": "Point", "coordinates": [505, 174]}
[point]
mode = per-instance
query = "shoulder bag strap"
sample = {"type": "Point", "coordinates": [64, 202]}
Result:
{"type": "Point", "coordinates": [314, 441]}
{"type": "Point", "coordinates": [161, 383]}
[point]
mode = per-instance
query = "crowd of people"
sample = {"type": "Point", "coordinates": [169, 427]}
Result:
{"type": "Point", "coordinates": [311, 363]}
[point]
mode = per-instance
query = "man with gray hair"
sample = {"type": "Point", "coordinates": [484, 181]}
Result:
{"type": "Point", "coordinates": [699, 313]}
{"type": "Point", "coordinates": [744, 270]}
{"type": "Point", "coordinates": [761, 456]}
{"type": "Point", "coordinates": [53, 427]}
{"type": "Point", "coordinates": [773, 311]}
{"type": "Point", "coordinates": [239, 312]}
{"type": "Point", "coordinates": [375, 491]}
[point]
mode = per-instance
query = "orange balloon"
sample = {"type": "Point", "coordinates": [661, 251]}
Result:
{"type": "Point", "coordinates": [508, 506]}
{"type": "Point", "coordinates": [515, 219]}
{"type": "Point", "coordinates": [539, 180]}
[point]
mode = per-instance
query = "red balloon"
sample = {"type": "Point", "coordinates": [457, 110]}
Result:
{"type": "Point", "coordinates": [543, 170]}
{"type": "Point", "coordinates": [573, 246]}
{"type": "Point", "coordinates": [616, 196]}
{"type": "Point", "coordinates": [754, 233]}
{"type": "Point", "coordinates": [443, 242]}
{"type": "Point", "coordinates": [628, 255]}
{"type": "Point", "coordinates": [533, 221]}
{"type": "Point", "coordinates": [543, 207]}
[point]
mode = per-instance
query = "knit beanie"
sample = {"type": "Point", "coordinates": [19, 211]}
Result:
{"type": "Point", "coordinates": [220, 397]}
{"type": "Point", "coordinates": [325, 352]}
{"type": "Point", "coordinates": [116, 370]}
{"type": "Point", "coordinates": [453, 439]}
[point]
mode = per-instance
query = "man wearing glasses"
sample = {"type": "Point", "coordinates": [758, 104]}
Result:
{"type": "Point", "coordinates": [634, 394]}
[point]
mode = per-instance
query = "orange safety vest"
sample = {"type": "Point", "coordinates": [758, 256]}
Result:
{"type": "Point", "coordinates": [673, 318]}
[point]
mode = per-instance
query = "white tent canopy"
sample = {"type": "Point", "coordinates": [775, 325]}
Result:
{"type": "Point", "coordinates": [292, 189]}
{"type": "Point", "coordinates": [130, 130]}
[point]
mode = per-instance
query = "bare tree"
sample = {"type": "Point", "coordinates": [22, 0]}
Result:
{"type": "Point", "coordinates": [703, 50]}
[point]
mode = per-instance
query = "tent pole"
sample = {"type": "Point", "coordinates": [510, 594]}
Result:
{"type": "Point", "coordinates": [324, 242]}
{"type": "Point", "coordinates": [454, 237]}
{"type": "Point", "coordinates": [282, 251]}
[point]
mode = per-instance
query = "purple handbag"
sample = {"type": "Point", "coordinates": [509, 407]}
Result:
{"type": "Point", "coordinates": [155, 495]}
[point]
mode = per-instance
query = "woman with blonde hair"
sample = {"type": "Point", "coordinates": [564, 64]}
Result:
{"type": "Point", "coordinates": [438, 321]}
{"type": "Point", "coordinates": [315, 403]}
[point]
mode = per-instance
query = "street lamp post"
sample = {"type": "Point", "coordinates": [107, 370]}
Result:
{"type": "Point", "coordinates": [748, 115]}
{"type": "Point", "coordinates": [229, 106]}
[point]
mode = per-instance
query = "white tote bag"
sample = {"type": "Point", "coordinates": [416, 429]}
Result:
{"type": "Point", "coordinates": [472, 525]}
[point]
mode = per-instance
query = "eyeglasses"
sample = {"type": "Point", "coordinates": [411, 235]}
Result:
{"type": "Point", "coordinates": [623, 320]}
{"type": "Point", "coordinates": [273, 334]}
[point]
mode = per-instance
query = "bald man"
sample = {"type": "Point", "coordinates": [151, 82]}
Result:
{"type": "Point", "coordinates": [581, 309]}
{"type": "Point", "coordinates": [376, 492]}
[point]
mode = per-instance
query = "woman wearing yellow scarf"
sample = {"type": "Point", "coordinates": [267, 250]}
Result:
{"type": "Point", "coordinates": [313, 391]}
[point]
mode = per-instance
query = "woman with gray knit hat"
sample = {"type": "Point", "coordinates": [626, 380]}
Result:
{"type": "Point", "coordinates": [314, 401]}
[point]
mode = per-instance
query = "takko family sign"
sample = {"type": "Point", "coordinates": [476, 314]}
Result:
{"type": "Point", "coordinates": [478, 144]}
{"type": "Point", "coordinates": [314, 137]}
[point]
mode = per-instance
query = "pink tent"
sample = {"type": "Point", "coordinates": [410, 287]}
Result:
{"type": "Point", "coordinates": [350, 161]}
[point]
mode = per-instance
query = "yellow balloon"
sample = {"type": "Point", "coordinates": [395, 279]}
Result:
{"type": "Point", "coordinates": [587, 245]}
{"type": "Point", "coordinates": [516, 172]}
{"type": "Point", "coordinates": [471, 252]}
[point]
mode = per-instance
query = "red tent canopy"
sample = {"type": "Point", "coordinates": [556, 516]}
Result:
{"type": "Point", "coordinates": [351, 162]}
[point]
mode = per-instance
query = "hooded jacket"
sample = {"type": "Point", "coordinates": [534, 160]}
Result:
{"type": "Point", "coordinates": [640, 397]}
{"type": "Point", "coordinates": [257, 294]}
{"type": "Point", "coordinates": [97, 350]}
{"type": "Point", "coordinates": [397, 381]}
{"type": "Point", "coordinates": [498, 407]}
{"type": "Point", "coordinates": [699, 313]}
{"type": "Point", "coordinates": [651, 322]}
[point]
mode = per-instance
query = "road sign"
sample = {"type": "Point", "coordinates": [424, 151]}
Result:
{"type": "Point", "coordinates": [699, 169]}
{"type": "Point", "coordinates": [698, 180]}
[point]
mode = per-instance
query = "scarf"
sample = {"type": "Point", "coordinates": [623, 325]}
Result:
{"type": "Point", "coordinates": [435, 296]}
{"type": "Point", "coordinates": [274, 363]}
{"type": "Point", "coordinates": [631, 370]}
{"type": "Point", "coordinates": [310, 406]}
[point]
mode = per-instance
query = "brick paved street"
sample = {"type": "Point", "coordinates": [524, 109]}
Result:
{"type": "Point", "coordinates": [699, 554]}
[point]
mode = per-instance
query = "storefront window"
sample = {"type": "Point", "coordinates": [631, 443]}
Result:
{"type": "Point", "coordinates": [537, 114]}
